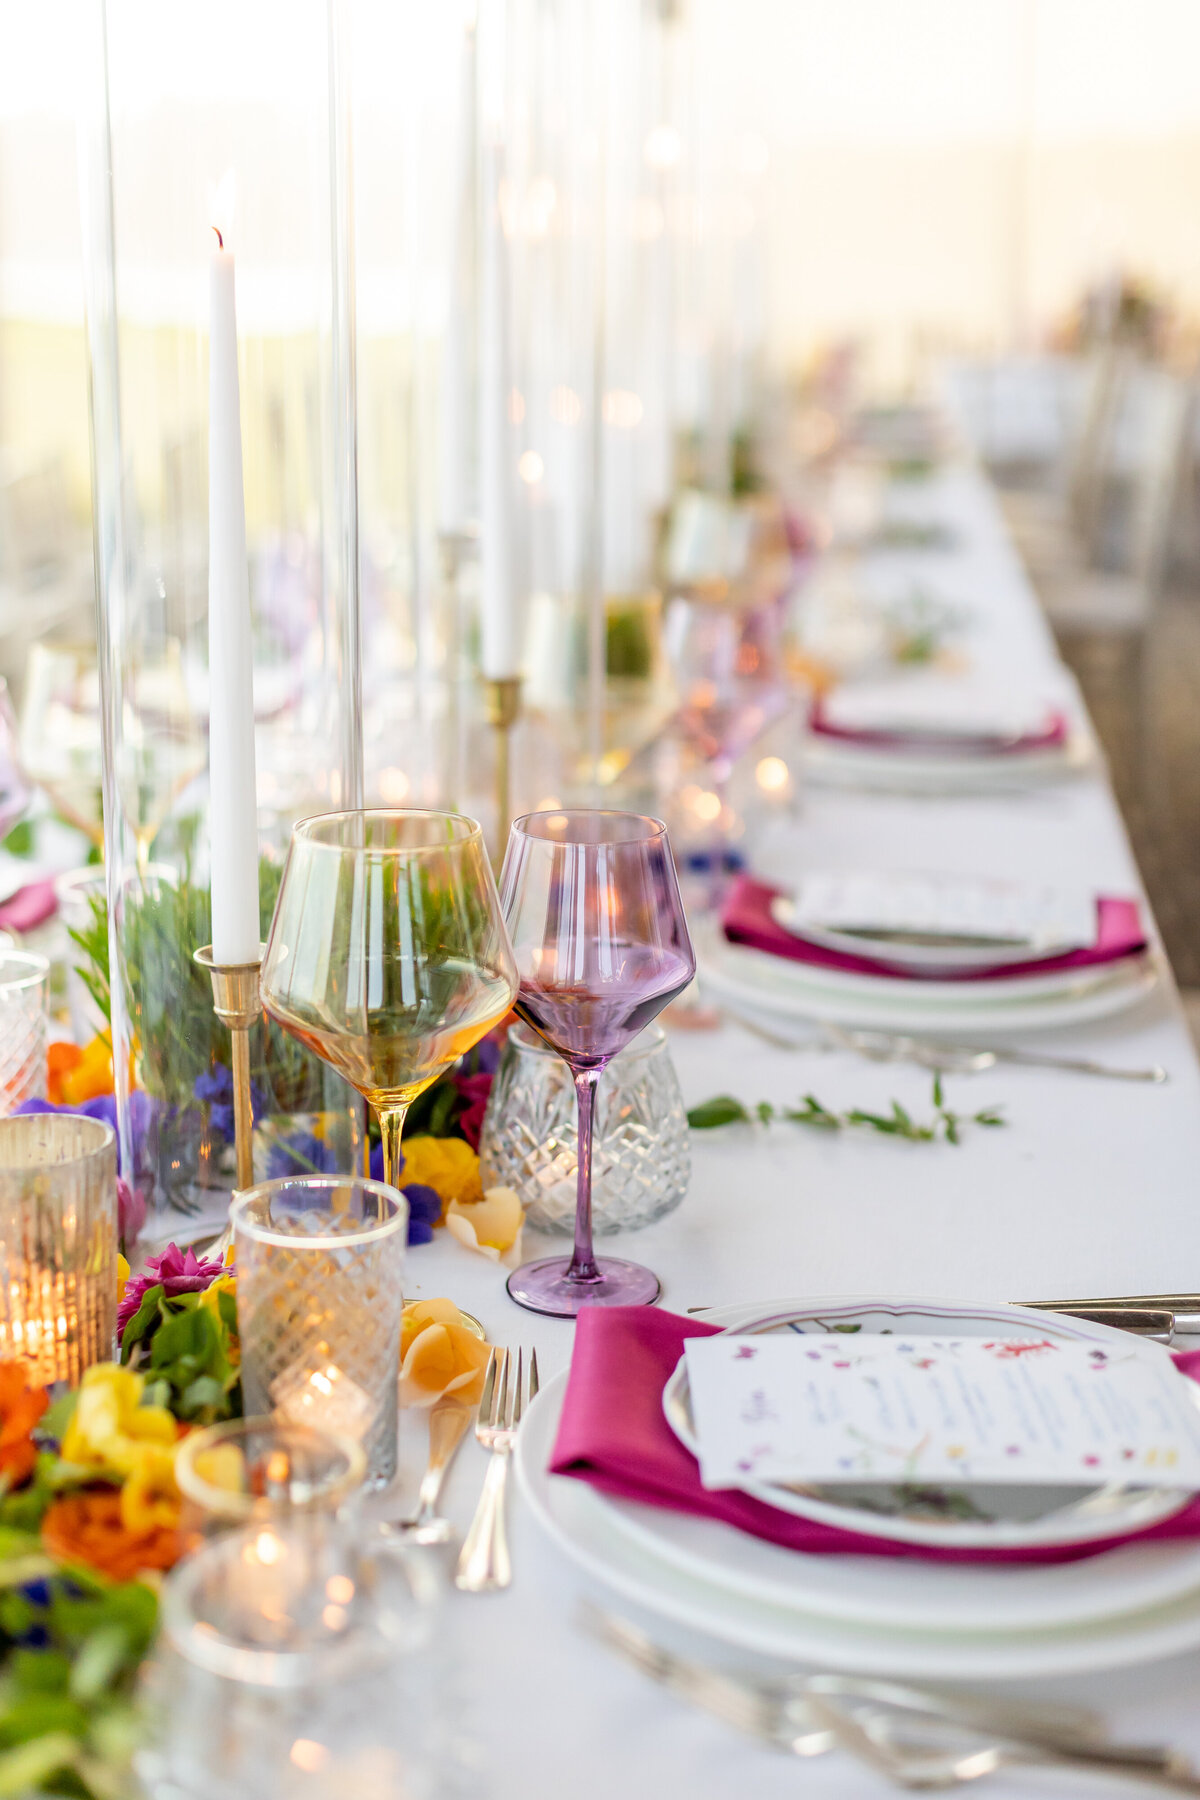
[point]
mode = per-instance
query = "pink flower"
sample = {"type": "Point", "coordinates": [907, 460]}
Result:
{"type": "Point", "coordinates": [474, 1089]}
{"type": "Point", "coordinates": [176, 1271]}
{"type": "Point", "coordinates": [131, 1212]}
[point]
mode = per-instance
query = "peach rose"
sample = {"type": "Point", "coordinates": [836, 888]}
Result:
{"type": "Point", "coordinates": [491, 1225]}
{"type": "Point", "coordinates": [439, 1355]}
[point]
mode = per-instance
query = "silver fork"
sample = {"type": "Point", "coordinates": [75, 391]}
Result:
{"type": "Point", "coordinates": [484, 1565]}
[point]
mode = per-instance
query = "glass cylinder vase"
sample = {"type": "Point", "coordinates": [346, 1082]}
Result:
{"type": "Point", "coordinates": [178, 142]}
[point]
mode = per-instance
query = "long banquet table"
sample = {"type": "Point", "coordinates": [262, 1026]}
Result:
{"type": "Point", "coordinates": [1090, 1189]}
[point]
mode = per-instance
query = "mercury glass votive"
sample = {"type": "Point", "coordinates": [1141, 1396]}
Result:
{"type": "Point", "coordinates": [24, 989]}
{"type": "Point", "coordinates": [320, 1260]}
{"type": "Point", "coordinates": [58, 1243]}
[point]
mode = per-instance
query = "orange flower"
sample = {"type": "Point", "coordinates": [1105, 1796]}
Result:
{"type": "Point", "coordinates": [91, 1076]}
{"type": "Point", "coordinates": [87, 1527]}
{"type": "Point", "coordinates": [61, 1059]}
{"type": "Point", "coordinates": [20, 1409]}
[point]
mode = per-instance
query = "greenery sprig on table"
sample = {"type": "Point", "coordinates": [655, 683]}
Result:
{"type": "Point", "coordinates": [945, 1126]}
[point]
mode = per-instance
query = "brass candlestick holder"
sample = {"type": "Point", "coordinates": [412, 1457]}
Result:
{"type": "Point", "coordinates": [502, 705]}
{"type": "Point", "coordinates": [237, 1004]}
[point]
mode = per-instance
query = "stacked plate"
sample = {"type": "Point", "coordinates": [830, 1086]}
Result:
{"type": "Point", "coordinates": [926, 953]}
{"type": "Point", "coordinates": [931, 737]}
{"type": "Point", "coordinates": [902, 1615]}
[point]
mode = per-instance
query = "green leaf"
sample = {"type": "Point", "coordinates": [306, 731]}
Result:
{"type": "Point", "coordinates": [765, 1112]}
{"type": "Point", "coordinates": [937, 1090]}
{"type": "Point", "coordinates": [144, 1323]}
{"type": "Point", "coordinates": [40, 1671]}
{"type": "Point", "coordinates": [19, 841]}
{"type": "Point", "coordinates": [30, 1765]}
{"type": "Point", "coordinates": [200, 1394]}
{"type": "Point", "coordinates": [99, 1663]}
{"type": "Point", "coordinates": [723, 1110]}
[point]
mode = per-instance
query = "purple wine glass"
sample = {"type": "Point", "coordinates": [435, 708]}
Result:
{"type": "Point", "coordinates": [601, 942]}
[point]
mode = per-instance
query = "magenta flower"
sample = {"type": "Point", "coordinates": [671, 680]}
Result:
{"type": "Point", "coordinates": [474, 1089]}
{"type": "Point", "coordinates": [131, 1211]}
{"type": "Point", "coordinates": [176, 1271]}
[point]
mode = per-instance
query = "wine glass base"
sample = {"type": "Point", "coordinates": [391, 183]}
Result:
{"type": "Point", "coordinates": [542, 1287]}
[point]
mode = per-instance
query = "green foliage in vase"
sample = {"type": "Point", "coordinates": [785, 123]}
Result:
{"type": "Point", "coordinates": [169, 998]}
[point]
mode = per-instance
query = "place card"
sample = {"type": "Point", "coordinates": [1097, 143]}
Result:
{"type": "Point", "coordinates": [893, 1408]}
{"type": "Point", "coordinates": [943, 906]}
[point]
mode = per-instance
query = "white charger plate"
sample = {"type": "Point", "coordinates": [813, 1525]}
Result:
{"type": "Point", "coordinates": [572, 1516]}
{"type": "Point", "coordinates": [1019, 1516]}
{"type": "Point", "coordinates": [759, 982]}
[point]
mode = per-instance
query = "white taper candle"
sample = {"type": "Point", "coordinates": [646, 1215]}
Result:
{"type": "Point", "coordinates": [500, 651]}
{"type": "Point", "coordinates": [233, 812]}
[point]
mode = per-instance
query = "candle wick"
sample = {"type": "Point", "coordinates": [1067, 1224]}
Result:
{"type": "Point", "coordinates": [220, 239]}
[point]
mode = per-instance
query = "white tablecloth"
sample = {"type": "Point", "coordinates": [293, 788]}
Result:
{"type": "Point", "coordinates": [1090, 1189]}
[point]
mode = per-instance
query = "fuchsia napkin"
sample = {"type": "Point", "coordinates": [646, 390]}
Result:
{"type": "Point", "coordinates": [613, 1435]}
{"type": "Point", "coordinates": [1051, 736]}
{"type": "Point", "coordinates": [746, 919]}
{"type": "Point", "coordinates": [29, 906]}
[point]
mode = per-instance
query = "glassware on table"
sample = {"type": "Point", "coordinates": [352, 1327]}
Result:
{"type": "Point", "coordinates": [602, 945]}
{"type": "Point", "coordinates": [24, 992]}
{"type": "Point", "coordinates": [58, 1243]}
{"type": "Point", "coordinates": [641, 1155]}
{"type": "Point", "coordinates": [252, 1470]}
{"type": "Point", "coordinates": [388, 955]}
{"type": "Point", "coordinates": [291, 1664]}
{"type": "Point", "coordinates": [60, 732]}
{"type": "Point", "coordinates": [320, 1260]}
{"type": "Point", "coordinates": [14, 789]}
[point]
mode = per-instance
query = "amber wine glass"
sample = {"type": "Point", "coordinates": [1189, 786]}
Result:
{"type": "Point", "coordinates": [388, 954]}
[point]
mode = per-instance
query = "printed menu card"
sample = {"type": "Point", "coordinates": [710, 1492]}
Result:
{"type": "Point", "coordinates": [892, 1408]}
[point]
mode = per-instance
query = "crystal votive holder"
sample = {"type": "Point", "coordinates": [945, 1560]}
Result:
{"type": "Point", "coordinates": [58, 1243]}
{"type": "Point", "coordinates": [641, 1158]}
{"type": "Point", "coordinates": [24, 991]}
{"type": "Point", "coordinates": [290, 1664]}
{"type": "Point", "coordinates": [320, 1260]}
{"type": "Point", "coordinates": [246, 1471]}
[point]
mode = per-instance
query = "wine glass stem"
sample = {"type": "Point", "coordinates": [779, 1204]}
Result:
{"type": "Point", "coordinates": [391, 1130]}
{"type": "Point", "coordinates": [583, 1261]}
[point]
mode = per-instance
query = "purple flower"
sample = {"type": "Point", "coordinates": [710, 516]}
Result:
{"type": "Point", "coordinates": [216, 1090]}
{"type": "Point", "coordinates": [300, 1154]}
{"type": "Point", "coordinates": [424, 1211]}
{"type": "Point", "coordinates": [176, 1271]}
{"type": "Point", "coordinates": [104, 1108]}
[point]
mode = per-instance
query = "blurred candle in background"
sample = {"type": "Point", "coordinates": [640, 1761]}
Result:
{"type": "Point", "coordinates": [456, 501]}
{"type": "Point", "coordinates": [500, 655]}
{"type": "Point", "coordinates": [233, 811]}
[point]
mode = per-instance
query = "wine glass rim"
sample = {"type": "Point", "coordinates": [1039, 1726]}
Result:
{"type": "Point", "coordinates": [34, 968]}
{"type": "Point", "coordinates": [370, 1233]}
{"type": "Point", "coordinates": [656, 827]}
{"type": "Point", "coordinates": [466, 829]}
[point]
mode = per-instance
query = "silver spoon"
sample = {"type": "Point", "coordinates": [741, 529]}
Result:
{"type": "Point", "coordinates": [448, 1422]}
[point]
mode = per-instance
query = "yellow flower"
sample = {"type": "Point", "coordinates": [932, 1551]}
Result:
{"type": "Point", "coordinates": [110, 1429]}
{"type": "Point", "coordinates": [150, 1498]}
{"type": "Point", "coordinates": [122, 1277]}
{"type": "Point", "coordinates": [439, 1355]}
{"type": "Point", "coordinates": [492, 1225]}
{"type": "Point", "coordinates": [210, 1298]}
{"type": "Point", "coordinates": [448, 1165]}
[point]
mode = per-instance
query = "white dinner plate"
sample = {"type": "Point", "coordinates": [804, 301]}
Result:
{"type": "Point", "coordinates": [759, 982]}
{"type": "Point", "coordinates": [967, 1515]}
{"type": "Point", "coordinates": [835, 764]}
{"type": "Point", "coordinates": [571, 1514]}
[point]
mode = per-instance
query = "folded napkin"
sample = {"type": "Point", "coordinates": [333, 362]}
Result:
{"type": "Point", "coordinates": [931, 741]}
{"type": "Point", "coordinates": [29, 906]}
{"type": "Point", "coordinates": [746, 919]}
{"type": "Point", "coordinates": [613, 1435]}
